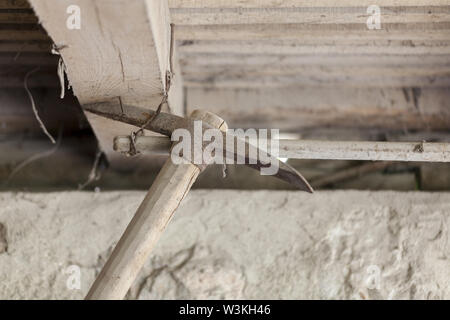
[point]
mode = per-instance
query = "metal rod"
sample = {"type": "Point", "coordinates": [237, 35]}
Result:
{"type": "Point", "coordinates": [316, 149]}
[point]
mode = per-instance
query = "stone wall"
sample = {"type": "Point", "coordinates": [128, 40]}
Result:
{"type": "Point", "coordinates": [234, 244]}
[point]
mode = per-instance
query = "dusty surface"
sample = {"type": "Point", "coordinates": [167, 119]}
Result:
{"type": "Point", "coordinates": [234, 244]}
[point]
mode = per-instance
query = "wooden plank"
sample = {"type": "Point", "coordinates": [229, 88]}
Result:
{"type": "Point", "coordinates": [249, 70]}
{"type": "Point", "coordinates": [314, 47]}
{"type": "Point", "coordinates": [120, 54]}
{"type": "Point", "coordinates": [298, 4]}
{"type": "Point", "coordinates": [14, 4]}
{"type": "Point", "coordinates": [280, 60]}
{"type": "Point", "coordinates": [274, 75]}
{"type": "Point", "coordinates": [298, 108]}
{"type": "Point", "coordinates": [253, 71]}
{"type": "Point", "coordinates": [252, 44]}
{"type": "Point", "coordinates": [16, 16]}
{"type": "Point", "coordinates": [365, 150]}
{"type": "Point", "coordinates": [25, 46]}
{"type": "Point", "coordinates": [22, 35]}
{"type": "Point", "coordinates": [319, 32]}
{"type": "Point", "coordinates": [325, 81]}
{"type": "Point", "coordinates": [256, 70]}
{"type": "Point", "coordinates": [314, 15]}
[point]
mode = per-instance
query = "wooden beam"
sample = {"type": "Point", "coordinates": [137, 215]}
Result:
{"type": "Point", "coordinates": [338, 14]}
{"type": "Point", "coordinates": [211, 81]}
{"type": "Point", "coordinates": [298, 108]}
{"type": "Point", "coordinates": [270, 43]}
{"type": "Point", "coordinates": [120, 54]}
{"type": "Point", "coordinates": [298, 4]}
{"type": "Point", "coordinates": [276, 75]}
{"type": "Point", "coordinates": [313, 59]}
{"type": "Point", "coordinates": [23, 16]}
{"type": "Point", "coordinates": [26, 35]}
{"type": "Point", "coordinates": [365, 150]}
{"type": "Point", "coordinates": [323, 150]}
{"type": "Point", "coordinates": [14, 4]}
{"type": "Point", "coordinates": [314, 47]}
{"type": "Point", "coordinates": [25, 46]}
{"type": "Point", "coordinates": [230, 71]}
{"type": "Point", "coordinates": [319, 32]}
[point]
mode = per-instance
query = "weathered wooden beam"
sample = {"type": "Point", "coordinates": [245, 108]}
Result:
{"type": "Point", "coordinates": [26, 35]}
{"type": "Point", "coordinates": [298, 4]}
{"type": "Point", "coordinates": [275, 75]}
{"type": "Point", "coordinates": [319, 32]}
{"type": "Point", "coordinates": [323, 150]}
{"type": "Point", "coordinates": [260, 60]}
{"type": "Point", "coordinates": [25, 46]}
{"type": "Point", "coordinates": [14, 4]}
{"type": "Point", "coordinates": [313, 47]}
{"type": "Point", "coordinates": [365, 150]}
{"type": "Point", "coordinates": [252, 44]}
{"type": "Point", "coordinates": [425, 67]}
{"type": "Point", "coordinates": [298, 108]}
{"type": "Point", "coordinates": [225, 69]}
{"type": "Point", "coordinates": [120, 54]}
{"type": "Point", "coordinates": [15, 16]}
{"type": "Point", "coordinates": [240, 81]}
{"type": "Point", "coordinates": [299, 14]}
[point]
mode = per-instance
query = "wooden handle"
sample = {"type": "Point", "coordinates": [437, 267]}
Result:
{"type": "Point", "coordinates": [155, 212]}
{"type": "Point", "coordinates": [133, 249]}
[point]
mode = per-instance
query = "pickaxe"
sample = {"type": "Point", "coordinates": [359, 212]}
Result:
{"type": "Point", "coordinates": [165, 195]}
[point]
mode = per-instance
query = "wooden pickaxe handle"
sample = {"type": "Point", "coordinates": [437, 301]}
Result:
{"type": "Point", "coordinates": [143, 232]}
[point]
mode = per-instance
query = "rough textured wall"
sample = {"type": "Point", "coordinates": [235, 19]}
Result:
{"type": "Point", "coordinates": [235, 244]}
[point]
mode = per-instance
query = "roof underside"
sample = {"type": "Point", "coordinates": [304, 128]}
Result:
{"type": "Point", "coordinates": [293, 65]}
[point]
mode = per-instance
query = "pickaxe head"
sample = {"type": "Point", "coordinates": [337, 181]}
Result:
{"type": "Point", "coordinates": [166, 124]}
